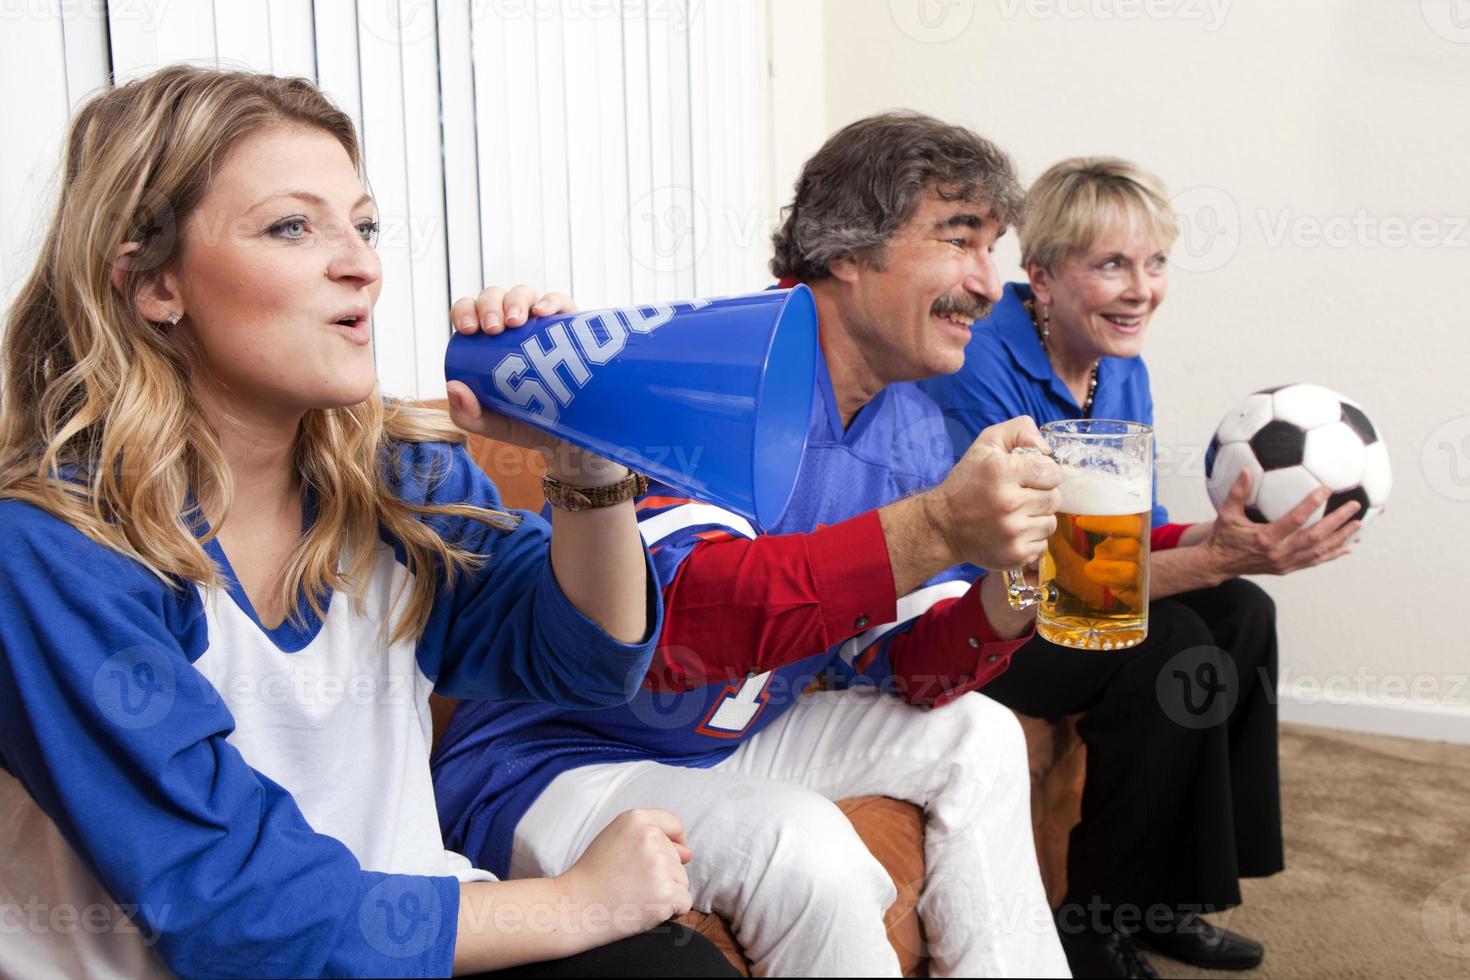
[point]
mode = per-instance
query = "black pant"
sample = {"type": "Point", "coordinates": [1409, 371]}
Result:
{"type": "Point", "coordinates": [1182, 797]}
{"type": "Point", "coordinates": [670, 950]}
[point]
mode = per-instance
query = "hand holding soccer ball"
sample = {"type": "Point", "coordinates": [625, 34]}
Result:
{"type": "Point", "coordinates": [1294, 472]}
{"type": "Point", "coordinates": [1293, 440]}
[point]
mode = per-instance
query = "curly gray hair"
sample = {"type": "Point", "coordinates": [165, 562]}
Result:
{"type": "Point", "coordinates": [865, 183]}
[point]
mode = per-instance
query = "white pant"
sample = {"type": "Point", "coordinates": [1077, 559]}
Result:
{"type": "Point", "coordinates": [775, 856]}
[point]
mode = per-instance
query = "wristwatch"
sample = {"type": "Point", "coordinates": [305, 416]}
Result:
{"type": "Point", "coordinates": [566, 497]}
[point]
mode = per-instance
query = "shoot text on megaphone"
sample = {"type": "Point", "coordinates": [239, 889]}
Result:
{"type": "Point", "coordinates": [711, 397]}
{"type": "Point", "coordinates": [528, 377]}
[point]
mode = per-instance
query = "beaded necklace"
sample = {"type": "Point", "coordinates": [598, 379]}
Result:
{"type": "Point", "coordinates": [1043, 334]}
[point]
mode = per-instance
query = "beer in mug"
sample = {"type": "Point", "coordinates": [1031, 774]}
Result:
{"type": "Point", "coordinates": [1093, 581]}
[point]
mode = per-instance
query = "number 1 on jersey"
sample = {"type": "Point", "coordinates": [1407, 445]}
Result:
{"type": "Point", "coordinates": [733, 714]}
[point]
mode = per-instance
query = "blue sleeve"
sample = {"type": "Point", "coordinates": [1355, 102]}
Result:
{"type": "Point", "coordinates": [1160, 514]}
{"type": "Point", "coordinates": [121, 742]}
{"type": "Point", "coordinates": [507, 632]}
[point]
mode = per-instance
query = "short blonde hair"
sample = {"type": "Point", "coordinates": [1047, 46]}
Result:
{"type": "Point", "coordinates": [1070, 205]}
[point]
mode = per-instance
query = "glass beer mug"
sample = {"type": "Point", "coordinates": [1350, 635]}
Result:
{"type": "Point", "coordinates": [1093, 585]}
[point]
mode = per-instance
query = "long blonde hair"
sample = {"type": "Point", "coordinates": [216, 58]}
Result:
{"type": "Point", "coordinates": [99, 425]}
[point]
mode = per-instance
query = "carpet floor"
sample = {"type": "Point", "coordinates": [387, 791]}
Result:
{"type": "Point", "coordinates": [1377, 879]}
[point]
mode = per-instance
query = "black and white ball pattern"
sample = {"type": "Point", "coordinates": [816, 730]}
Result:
{"type": "Point", "coordinates": [1294, 439]}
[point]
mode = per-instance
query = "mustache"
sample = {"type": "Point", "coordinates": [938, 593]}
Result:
{"type": "Point", "coordinates": [965, 304]}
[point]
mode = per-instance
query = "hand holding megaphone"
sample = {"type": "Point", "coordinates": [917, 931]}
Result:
{"type": "Point", "coordinates": [494, 311]}
{"type": "Point", "coordinates": [711, 397]}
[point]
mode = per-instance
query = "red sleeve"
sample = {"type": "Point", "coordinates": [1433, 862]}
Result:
{"type": "Point", "coordinates": [951, 650]}
{"type": "Point", "coordinates": [1167, 536]}
{"type": "Point", "coordinates": [752, 605]}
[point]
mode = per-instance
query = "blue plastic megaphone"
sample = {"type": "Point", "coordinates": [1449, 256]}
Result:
{"type": "Point", "coordinates": [710, 396]}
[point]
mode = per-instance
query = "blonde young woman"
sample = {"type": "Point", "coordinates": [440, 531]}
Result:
{"type": "Point", "coordinates": [233, 573]}
{"type": "Point", "coordinates": [1182, 798]}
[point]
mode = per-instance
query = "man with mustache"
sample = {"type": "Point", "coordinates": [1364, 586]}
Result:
{"type": "Point", "coordinates": [863, 583]}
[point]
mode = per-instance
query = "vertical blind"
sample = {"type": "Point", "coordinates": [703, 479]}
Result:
{"type": "Point", "coordinates": [614, 149]}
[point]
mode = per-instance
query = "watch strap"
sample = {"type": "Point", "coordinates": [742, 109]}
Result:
{"type": "Point", "coordinates": [564, 496]}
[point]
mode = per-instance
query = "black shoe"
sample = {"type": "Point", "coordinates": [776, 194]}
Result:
{"type": "Point", "coordinates": [1110, 957]}
{"type": "Point", "coordinates": [1200, 943]}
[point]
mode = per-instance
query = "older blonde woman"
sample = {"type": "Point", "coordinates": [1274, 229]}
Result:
{"type": "Point", "coordinates": [1177, 806]}
{"type": "Point", "coordinates": [233, 573]}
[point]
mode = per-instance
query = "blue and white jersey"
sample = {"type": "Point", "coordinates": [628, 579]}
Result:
{"type": "Point", "coordinates": [496, 759]}
{"type": "Point", "coordinates": [183, 790]}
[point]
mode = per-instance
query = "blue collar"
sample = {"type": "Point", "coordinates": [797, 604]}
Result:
{"type": "Point", "coordinates": [1012, 324]}
{"type": "Point", "coordinates": [287, 637]}
{"type": "Point", "coordinates": [1017, 333]}
{"type": "Point", "coordinates": [832, 431]}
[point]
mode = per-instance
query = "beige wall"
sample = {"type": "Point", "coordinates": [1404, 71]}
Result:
{"type": "Point", "coordinates": [1317, 151]}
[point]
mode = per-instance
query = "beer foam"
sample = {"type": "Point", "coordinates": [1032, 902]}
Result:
{"type": "Point", "coordinates": [1103, 494]}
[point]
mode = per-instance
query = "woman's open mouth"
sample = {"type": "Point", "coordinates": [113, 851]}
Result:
{"type": "Point", "coordinates": [355, 327]}
{"type": "Point", "coordinates": [1124, 324]}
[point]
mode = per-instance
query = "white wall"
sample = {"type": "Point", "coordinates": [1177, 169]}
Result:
{"type": "Point", "coordinates": [1308, 144]}
{"type": "Point", "coordinates": [1272, 122]}
{"type": "Point", "coordinates": [615, 149]}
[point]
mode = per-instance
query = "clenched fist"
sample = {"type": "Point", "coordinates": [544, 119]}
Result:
{"type": "Point", "coordinates": [637, 862]}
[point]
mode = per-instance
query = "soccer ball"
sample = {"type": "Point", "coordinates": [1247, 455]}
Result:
{"type": "Point", "coordinates": [1294, 439]}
